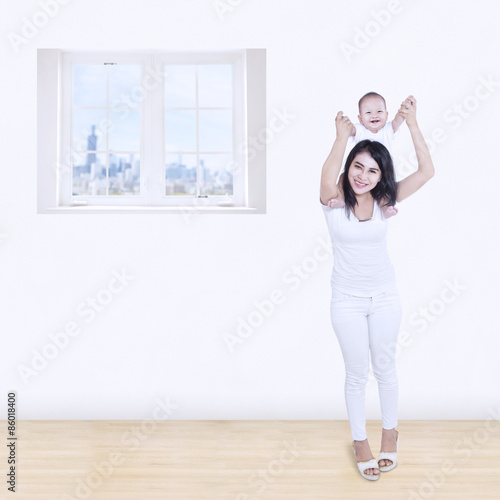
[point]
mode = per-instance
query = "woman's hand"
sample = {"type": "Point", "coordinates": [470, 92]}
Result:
{"type": "Point", "coordinates": [343, 126]}
{"type": "Point", "coordinates": [408, 109]}
{"type": "Point", "coordinates": [333, 163]}
{"type": "Point", "coordinates": [425, 171]}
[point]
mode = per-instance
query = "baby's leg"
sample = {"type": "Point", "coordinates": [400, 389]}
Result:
{"type": "Point", "coordinates": [337, 202]}
{"type": "Point", "coordinates": [389, 211]}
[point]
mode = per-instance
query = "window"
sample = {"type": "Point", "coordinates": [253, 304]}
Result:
{"type": "Point", "coordinates": [151, 130]}
{"type": "Point", "coordinates": [199, 128]}
{"type": "Point", "coordinates": [105, 131]}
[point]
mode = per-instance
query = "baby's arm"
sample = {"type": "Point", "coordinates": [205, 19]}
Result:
{"type": "Point", "coordinates": [397, 122]}
{"type": "Point", "coordinates": [353, 131]}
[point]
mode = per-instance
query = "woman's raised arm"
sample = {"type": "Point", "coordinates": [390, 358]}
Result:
{"type": "Point", "coordinates": [412, 183]}
{"type": "Point", "coordinates": [333, 163]}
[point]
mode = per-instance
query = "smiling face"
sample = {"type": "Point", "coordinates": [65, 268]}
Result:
{"type": "Point", "coordinates": [364, 173]}
{"type": "Point", "coordinates": [372, 113]}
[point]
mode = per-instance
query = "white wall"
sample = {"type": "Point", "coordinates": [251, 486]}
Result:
{"type": "Point", "coordinates": [162, 336]}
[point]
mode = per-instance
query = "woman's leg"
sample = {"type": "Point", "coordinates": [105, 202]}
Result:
{"type": "Point", "coordinates": [384, 320]}
{"type": "Point", "coordinates": [348, 316]}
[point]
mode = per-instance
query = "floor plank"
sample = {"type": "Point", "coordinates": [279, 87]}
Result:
{"type": "Point", "coordinates": [249, 460]}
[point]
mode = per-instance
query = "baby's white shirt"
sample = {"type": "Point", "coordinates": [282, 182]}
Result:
{"type": "Point", "coordinates": [385, 135]}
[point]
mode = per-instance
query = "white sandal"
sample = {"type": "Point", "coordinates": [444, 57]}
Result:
{"type": "Point", "coordinates": [370, 464]}
{"type": "Point", "coordinates": [385, 455]}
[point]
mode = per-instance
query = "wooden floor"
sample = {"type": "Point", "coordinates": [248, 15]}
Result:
{"type": "Point", "coordinates": [249, 460]}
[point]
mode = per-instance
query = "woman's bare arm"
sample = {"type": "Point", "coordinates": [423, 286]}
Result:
{"type": "Point", "coordinates": [333, 163]}
{"type": "Point", "coordinates": [412, 183]}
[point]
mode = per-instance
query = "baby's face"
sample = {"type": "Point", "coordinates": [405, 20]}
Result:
{"type": "Point", "coordinates": [372, 113]}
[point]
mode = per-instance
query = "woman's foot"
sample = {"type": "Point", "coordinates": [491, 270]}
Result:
{"type": "Point", "coordinates": [388, 444]}
{"type": "Point", "coordinates": [336, 203]}
{"type": "Point", "coordinates": [364, 454]}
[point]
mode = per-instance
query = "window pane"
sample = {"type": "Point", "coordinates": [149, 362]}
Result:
{"type": "Point", "coordinates": [180, 131]}
{"type": "Point", "coordinates": [89, 129]}
{"type": "Point", "coordinates": [216, 130]}
{"type": "Point", "coordinates": [216, 174]}
{"type": "Point", "coordinates": [180, 86]}
{"type": "Point", "coordinates": [124, 174]}
{"type": "Point", "coordinates": [125, 85]}
{"type": "Point", "coordinates": [89, 85]}
{"type": "Point", "coordinates": [215, 85]}
{"type": "Point", "coordinates": [180, 175]}
{"type": "Point", "coordinates": [124, 130]}
{"type": "Point", "coordinates": [89, 174]}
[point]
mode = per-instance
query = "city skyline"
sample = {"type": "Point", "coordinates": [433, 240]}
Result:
{"type": "Point", "coordinates": [123, 174]}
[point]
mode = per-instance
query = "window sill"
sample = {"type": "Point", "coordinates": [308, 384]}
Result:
{"type": "Point", "coordinates": [150, 210]}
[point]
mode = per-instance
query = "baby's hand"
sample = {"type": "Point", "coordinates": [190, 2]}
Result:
{"type": "Point", "coordinates": [408, 110]}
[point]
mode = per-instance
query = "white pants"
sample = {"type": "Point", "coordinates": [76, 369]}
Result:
{"type": "Point", "coordinates": [362, 325]}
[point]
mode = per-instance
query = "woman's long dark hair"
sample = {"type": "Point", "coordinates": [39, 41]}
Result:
{"type": "Point", "coordinates": [386, 189]}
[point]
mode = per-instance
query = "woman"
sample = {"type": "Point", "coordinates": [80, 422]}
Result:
{"type": "Point", "coordinates": [365, 303]}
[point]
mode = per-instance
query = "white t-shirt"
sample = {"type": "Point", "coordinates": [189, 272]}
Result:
{"type": "Point", "coordinates": [385, 135]}
{"type": "Point", "coordinates": [361, 265]}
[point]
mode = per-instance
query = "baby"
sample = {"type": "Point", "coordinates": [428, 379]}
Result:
{"type": "Point", "coordinates": [372, 125]}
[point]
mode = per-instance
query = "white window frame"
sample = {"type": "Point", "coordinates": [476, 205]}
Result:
{"type": "Point", "coordinates": [54, 73]}
{"type": "Point", "coordinates": [238, 107]}
{"type": "Point", "coordinates": [65, 182]}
